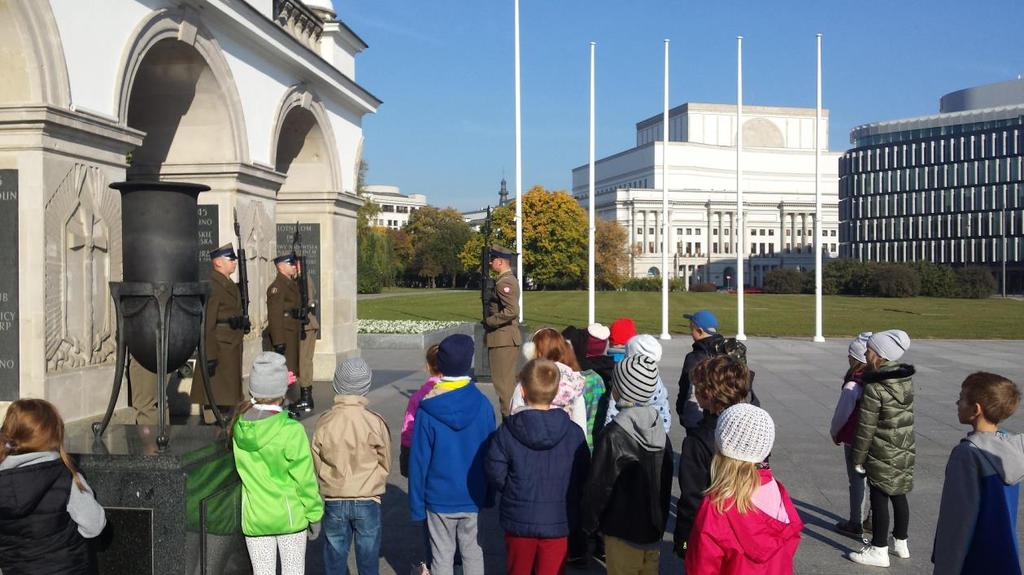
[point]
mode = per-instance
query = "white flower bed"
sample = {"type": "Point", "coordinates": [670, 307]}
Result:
{"type": "Point", "coordinates": [403, 327]}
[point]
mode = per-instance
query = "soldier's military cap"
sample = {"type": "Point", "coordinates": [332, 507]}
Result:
{"type": "Point", "coordinates": [225, 251]}
{"type": "Point", "coordinates": [288, 258]}
{"type": "Point", "coordinates": [498, 251]}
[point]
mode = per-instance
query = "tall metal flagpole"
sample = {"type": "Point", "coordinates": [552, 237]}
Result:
{"type": "Point", "coordinates": [664, 207]}
{"type": "Point", "coordinates": [738, 227]}
{"type": "Point", "coordinates": [519, 173]}
{"type": "Point", "coordinates": [818, 336]}
{"type": "Point", "coordinates": [590, 202]}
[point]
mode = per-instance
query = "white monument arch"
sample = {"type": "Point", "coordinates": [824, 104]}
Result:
{"type": "Point", "coordinates": [255, 98]}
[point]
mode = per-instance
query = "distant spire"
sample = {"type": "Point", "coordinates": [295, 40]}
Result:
{"type": "Point", "coordinates": [503, 193]}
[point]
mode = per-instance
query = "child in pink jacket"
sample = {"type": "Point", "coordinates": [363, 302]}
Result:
{"type": "Point", "coordinates": [433, 376]}
{"type": "Point", "coordinates": [747, 524]}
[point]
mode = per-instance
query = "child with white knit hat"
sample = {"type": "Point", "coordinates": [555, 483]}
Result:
{"type": "Point", "coordinates": [843, 429]}
{"type": "Point", "coordinates": [746, 523]}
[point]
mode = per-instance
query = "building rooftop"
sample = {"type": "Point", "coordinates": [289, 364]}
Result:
{"type": "Point", "coordinates": [748, 110]}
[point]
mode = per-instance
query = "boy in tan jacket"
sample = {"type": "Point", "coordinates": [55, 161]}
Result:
{"type": "Point", "coordinates": [352, 454]}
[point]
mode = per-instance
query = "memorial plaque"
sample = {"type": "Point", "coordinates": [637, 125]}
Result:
{"type": "Point", "coordinates": [209, 236]}
{"type": "Point", "coordinates": [9, 341]}
{"type": "Point", "coordinates": [309, 248]}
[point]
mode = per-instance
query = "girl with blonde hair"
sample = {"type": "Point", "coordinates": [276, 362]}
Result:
{"type": "Point", "coordinates": [747, 523]}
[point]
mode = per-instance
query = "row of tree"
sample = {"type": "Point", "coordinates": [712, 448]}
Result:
{"type": "Point", "coordinates": [436, 248]}
{"type": "Point", "coordinates": [854, 277]}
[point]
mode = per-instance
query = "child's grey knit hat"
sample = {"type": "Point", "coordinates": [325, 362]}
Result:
{"type": "Point", "coordinates": [745, 432]}
{"type": "Point", "coordinates": [890, 344]}
{"type": "Point", "coordinates": [269, 376]}
{"type": "Point", "coordinates": [859, 347]}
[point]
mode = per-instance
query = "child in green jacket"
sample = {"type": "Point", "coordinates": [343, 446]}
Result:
{"type": "Point", "coordinates": [280, 496]}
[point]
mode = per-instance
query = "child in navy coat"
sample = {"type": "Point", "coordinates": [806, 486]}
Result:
{"type": "Point", "coordinates": [539, 460]}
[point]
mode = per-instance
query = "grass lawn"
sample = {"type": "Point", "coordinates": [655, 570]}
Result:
{"type": "Point", "coordinates": [766, 315]}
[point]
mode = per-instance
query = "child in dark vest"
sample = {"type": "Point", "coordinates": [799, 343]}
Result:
{"type": "Point", "coordinates": [843, 430]}
{"type": "Point", "coordinates": [538, 460]}
{"type": "Point", "coordinates": [47, 510]}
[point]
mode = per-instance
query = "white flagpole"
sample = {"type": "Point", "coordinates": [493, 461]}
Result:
{"type": "Point", "coordinates": [519, 172]}
{"type": "Point", "coordinates": [738, 228]}
{"type": "Point", "coordinates": [818, 336]}
{"type": "Point", "coordinates": [664, 207]}
{"type": "Point", "coordinates": [590, 203]}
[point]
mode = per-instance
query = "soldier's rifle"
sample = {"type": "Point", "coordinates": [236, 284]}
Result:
{"type": "Point", "coordinates": [243, 279]}
{"type": "Point", "coordinates": [302, 313]}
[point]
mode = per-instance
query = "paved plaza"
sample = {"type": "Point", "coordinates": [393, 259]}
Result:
{"type": "Point", "coordinates": [798, 383]}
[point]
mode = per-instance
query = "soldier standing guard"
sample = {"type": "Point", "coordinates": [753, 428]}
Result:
{"type": "Point", "coordinates": [225, 327]}
{"type": "Point", "coordinates": [283, 313]}
{"type": "Point", "coordinates": [502, 327]}
{"type": "Point", "coordinates": [307, 346]}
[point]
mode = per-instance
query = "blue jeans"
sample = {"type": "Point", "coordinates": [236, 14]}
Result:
{"type": "Point", "coordinates": [342, 518]}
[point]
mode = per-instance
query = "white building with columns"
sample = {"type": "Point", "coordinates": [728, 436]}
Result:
{"type": "Point", "coordinates": [256, 98]}
{"type": "Point", "coordinates": [778, 192]}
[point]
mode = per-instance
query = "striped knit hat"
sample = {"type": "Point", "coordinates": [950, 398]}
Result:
{"type": "Point", "coordinates": [352, 377]}
{"type": "Point", "coordinates": [635, 378]}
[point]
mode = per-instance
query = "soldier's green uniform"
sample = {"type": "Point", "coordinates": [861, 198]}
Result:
{"type": "Point", "coordinates": [502, 332]}
{"type": "Point", "coordinates": [224, 332]}
{"type": "Point", "coordinates": [283, 299]}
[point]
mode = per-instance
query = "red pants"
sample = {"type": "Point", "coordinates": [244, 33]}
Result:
{"type": "Point", "coordinates": [527, 555]}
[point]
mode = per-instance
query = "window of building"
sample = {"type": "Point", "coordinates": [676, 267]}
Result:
{"type": "Point", "coordinates": [771, 249]}
{"type": "Point", "coordinates": [697, 246]}
{"type": "Point", "coordinates": [402, 209]}
{"type": "Point", "coordinates": [689, 231]}
{"type": "Point", "coordinates": [696, 231]}
{"type": "Point", "coordinates": [753, 232]}
{"type": "Point", "coordinates": [725, 232]}
{"type": "Point", "coordinates": [679, 231]}
{"type": "Point", "coordinates": [689, 248]}
{"type": "Point", "coordinates": [714, 248]}
{"type": "Point", "coordinates": [771, 231]}
{"type": "Point", "coordinates": [387, 208]}
{"type": "Point", "coordinates": [715, 232]}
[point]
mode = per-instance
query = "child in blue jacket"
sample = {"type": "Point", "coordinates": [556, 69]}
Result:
{"type": "Point", "coordinates": [977, 527]}
{"type": "Point", "coordinates": [447, 484]}
{"type": "Point", "coordinates": [539, 460]}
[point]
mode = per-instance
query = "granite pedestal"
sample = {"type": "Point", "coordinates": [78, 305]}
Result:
{"type": "Point", "coordinates": [171, 512]}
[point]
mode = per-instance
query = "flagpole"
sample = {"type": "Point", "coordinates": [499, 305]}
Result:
{"type": "Point", "coordinates": [664, 207]}
{"type": "Point", "coordinates": [519, 171]}
{"type": "Point", "coordinates": [590, 202]}
{"type": "Point", "coordinates": [738, 224]}
{"type": "Point", "coordinates": [818, 336]}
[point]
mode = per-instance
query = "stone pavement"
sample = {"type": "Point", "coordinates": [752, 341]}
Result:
{"type": "Point", "coordinates": [798, 383]}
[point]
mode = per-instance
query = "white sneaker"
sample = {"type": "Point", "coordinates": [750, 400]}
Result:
{"type": "Point", "coordinates": [871, 555]}
{"type": "Point", "coordinates": [900, 549]}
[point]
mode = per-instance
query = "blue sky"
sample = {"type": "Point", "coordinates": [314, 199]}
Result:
{"type": "Point", "coordinates": [444, 71]}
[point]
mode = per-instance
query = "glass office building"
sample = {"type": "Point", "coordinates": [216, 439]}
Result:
{"type": "Point", "coordinates": [945, 188]}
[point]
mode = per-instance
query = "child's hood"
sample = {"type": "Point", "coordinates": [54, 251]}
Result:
{"type": "Point", "coordinates": [643, 424]}
{"type": "Point", "coordinates": [456, 408]}
{"type": "Point", "coordinates": [253, 435]}
{"type": "Point", "coordinates": [20, 493]}
{"type": "Point", "coordinates": [1004, 451]}
{"type": "Point", "coordinates": [539, 429]}
{"type": "Point", "coordinates": [761, 537]}
{"type": "Point", "coordinates": [895, 379]}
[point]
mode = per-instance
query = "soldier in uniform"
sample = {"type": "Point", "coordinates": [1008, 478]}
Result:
{"type": "Point", "coordinates": [307, 346]}
{"type": "Point", "coordinates": [502, 326]}
{"type": "Point", "coordinates": [225, 327]}
{"type": "Point", "coordinates": [283, 311]}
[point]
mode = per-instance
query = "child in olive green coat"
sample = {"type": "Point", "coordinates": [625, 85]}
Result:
{"type": "Point", "coordinates": [884, 448]}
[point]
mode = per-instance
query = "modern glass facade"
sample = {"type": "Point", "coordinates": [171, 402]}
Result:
{"type": "Point", "coordinates": [946, 189]}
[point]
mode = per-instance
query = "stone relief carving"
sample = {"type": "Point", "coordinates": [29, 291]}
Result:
{"type": "Point", "coordinates": [259, 236]}
{"type": "Point", "coordinates": [83, 253]}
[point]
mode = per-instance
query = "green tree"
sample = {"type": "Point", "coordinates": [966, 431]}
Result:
{"type": "Point", "coordinates": [470, 254]}
{"type": "Point", "coordinates": [438, 237]}
{"type": "Point", "coordinates": [783, 280]}
{"type": "Point", "coordinates": [976, 282]}
{"type": "Point", "coordinates": [554, 237]}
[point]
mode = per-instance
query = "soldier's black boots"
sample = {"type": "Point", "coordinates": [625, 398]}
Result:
{"type": "Point", "coordinates": [304, 406]}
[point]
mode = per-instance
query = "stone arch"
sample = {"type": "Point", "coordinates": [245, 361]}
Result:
{"type": "Point", "coordinates": [762, 133]}
{"type": "Point", "coordinates": [32, 61]}
{"type": "Point", "coordinates": [185, 72]}
{"type": "Point", "coordinates": [303, 145]}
